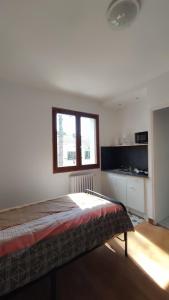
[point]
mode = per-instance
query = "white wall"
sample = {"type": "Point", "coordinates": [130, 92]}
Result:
{"type": "Point", "coordinates": [161, 163]}
{"type": "Point", "coordinates": [26, 142]}
{"type": "Point", "coordinates": [26, 138]}
{"type": "Point", "coordinates": [158, 92]}
{"type": "Point", "coordinates": [139, 116]}
{"type": "Point", "coordinates": [134, 117]}
{"type": "Point", "coordinates": [158, 97]}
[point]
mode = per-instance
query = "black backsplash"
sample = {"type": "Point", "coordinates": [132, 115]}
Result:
{"type": "Point", "coordinates": [124, 157]}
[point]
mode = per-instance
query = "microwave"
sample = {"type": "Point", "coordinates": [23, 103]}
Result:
{"type": "Point", "coordinates": [141, 137]}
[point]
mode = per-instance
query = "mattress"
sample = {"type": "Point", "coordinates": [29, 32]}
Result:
{"type": "Point", "coordinates": [36, 238]}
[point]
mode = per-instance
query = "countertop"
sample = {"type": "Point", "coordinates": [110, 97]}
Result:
{"type": "Point", "coordinates": [128, 173]}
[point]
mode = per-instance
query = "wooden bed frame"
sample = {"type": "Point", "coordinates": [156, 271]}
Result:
{"type": "Point", "coordinates": [52, 273]}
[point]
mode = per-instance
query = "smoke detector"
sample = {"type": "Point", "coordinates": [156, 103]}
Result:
{"type": "Point", "coordinates": [121, 13]}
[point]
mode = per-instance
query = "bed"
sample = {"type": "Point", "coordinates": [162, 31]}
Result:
{"type": "Point", "coordinates": [37, 239]}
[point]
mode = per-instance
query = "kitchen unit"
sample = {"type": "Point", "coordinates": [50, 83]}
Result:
{"type": "Point", "coordinates": [124, 175]}
{"type": "Point", "coordinates": [130, 190]}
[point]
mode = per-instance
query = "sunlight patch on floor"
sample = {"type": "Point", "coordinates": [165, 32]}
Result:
{"type": "Point", "coordinates": [152, 259]}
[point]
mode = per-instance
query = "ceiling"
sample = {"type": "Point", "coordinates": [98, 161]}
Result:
{"type": "Point", "coordinates": [68, 45]}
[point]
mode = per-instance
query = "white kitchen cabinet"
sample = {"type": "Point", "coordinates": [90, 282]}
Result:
{"type": "Point", "coordinates": [127, 189]}
{"type": "Point", "coordinates": [135, 193]}
{"type": "Point", "coordinates": [114, 186]}
{"type": "Point", "coordinates": [119, 188]}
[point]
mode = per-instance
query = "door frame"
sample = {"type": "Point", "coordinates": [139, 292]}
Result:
{"type": "Point", "coordinates": [153, 158]}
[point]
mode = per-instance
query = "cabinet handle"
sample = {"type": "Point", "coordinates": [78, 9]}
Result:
{"type": "Point", "coordinates": [132, 188]}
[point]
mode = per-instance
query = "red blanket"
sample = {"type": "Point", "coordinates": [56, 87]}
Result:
{"type": "Point", "coordinates": [25, 226]}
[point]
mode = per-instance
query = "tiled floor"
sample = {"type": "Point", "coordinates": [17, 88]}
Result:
{"type": "Point", "coordinates": [135, 219]}
{"type": "Point", "coordinates": [165, 223]}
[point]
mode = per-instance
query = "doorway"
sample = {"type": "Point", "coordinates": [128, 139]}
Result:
{"type": "Point", "coordinates": [161, 166]}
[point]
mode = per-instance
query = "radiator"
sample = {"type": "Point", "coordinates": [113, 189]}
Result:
{"type": "Point", "coordinates": [80, 182]}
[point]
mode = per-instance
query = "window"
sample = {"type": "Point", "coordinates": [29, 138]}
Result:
{"type": "Point", "coordinates": [75, 140]}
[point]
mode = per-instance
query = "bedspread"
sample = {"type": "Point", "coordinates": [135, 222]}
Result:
{"type": "Point", "coordinates": [36, 238]}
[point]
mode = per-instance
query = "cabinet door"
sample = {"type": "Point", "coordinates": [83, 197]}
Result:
{"type": "Point", "coordinates": [119, 188]}
{"type": "Point", "coordinates": [106, 181]}
{"type": "Point", "coordinates": [114, 186]}
{"type": "Point", "coordinates": [135, 193]}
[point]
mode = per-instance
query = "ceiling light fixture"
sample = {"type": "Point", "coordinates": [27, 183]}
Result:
{"type": "Point", "coordinates": [121, 13]}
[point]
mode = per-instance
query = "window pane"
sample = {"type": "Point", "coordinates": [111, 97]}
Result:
{"type": "Point", "coordinates": [88, 141]}
{"type": "Point", "coordinates": [66, 140]}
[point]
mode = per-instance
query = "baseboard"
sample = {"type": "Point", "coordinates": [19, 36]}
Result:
{"type": "Point", "coordinates": [137, 213]}
{"type": "Point", "coordinates": [151, 221]}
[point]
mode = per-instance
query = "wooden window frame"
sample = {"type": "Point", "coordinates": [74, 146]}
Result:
{"type": "Point", "coordinates": [79, 166]}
